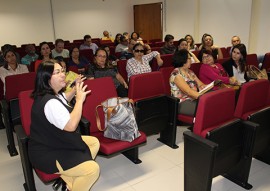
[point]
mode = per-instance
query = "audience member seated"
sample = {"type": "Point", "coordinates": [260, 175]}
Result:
{"type": "Point", "coordinates": [183, 44]}
{"type": "Point", "coordinates": [236, 65]}
{"type": "Point", "coordinates": [140, 63]}
{"type": "Point", "coordinates": [117, 39]}
{"type": "Point", "coordinates": [135, 36]}
{"type": "Point", "coordinates": [235, 40]}
{"type": "Point", "coordinates": [4, 48]}
{"type": "Point", "coordinates": [103, 68]}
{"type": "Point", "coordinates": [191, 44]}
{"type": "Point", "coordinates": [88, 44]}
{"type": "Point", "coordinates": [208, 44]}
{"type": "Point", "coordinates": [70, 76]}
{"type": "Point", "coordinates": [112, 58]}
{"type": "Point", "coordinates": [11, 66]}
{"type": "Point", "coordinates": [184, 83]}
{"type": "Point", "coordinates": [31, 55]}
{"type": "Point", "coordinates": [55, 146]}
{"type": "Point", "coordinates": [147, 48]}
{"type": "Point", "coordinates": [126, 34]}
{"type": "Point", "coordinates": [76, 60]}
{"type": "Point", "coordinates": [44, 54]}
{"type": "Point", "coordinates": [123, 45]}
{"type": "Point", "coordinates": [211, 71]}
{"type": "Point", "coordinates": [168, 47]}
{"type": "Point", "coordinates": [59, 49]}
{"type": "Point", "coordinates": [129, 53]}
{"type": "Point", "coordinates": [106, 36]}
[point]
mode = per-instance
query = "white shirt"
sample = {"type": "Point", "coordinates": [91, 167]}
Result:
{"type": "Point", "coordinates": [238, 75]}
{"type": "Point", "coordinates": [64, 53]}
{"type": "Point", "coordinates": [56, 113]}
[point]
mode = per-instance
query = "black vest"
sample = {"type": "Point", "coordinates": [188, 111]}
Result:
{"type": "Point", "coordinates": [49, 143]}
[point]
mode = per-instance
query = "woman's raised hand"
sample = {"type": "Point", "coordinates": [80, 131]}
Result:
{"type": "Point", "coordinates": [81, 92]}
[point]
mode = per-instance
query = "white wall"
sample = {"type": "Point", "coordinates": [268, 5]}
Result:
{"type": "Point", "coordinates": [25, 21]}
{"type": "Point", "coordinates": [224, 19]}
{"type": "Point", "coordinates": [74, 19]}
{"type": "Point", "coordinates": [31, 20]}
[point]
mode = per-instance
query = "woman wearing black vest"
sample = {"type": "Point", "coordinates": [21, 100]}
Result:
{"type": "Point", "coordinates": [55, 146]}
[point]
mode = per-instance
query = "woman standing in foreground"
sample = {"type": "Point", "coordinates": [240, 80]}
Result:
{"type": "Point", "coordinates": [55, 146]}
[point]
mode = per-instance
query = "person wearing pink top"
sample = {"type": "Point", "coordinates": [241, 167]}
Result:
{"type": "Point", "coordinates": [211, 71]}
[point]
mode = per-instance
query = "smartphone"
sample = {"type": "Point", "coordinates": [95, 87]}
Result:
{"type": "Point", "coordinates": [73, 84]}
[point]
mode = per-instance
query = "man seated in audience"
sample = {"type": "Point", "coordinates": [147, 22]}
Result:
{"type": "Point", "coordinates": [106, 36]}
{"type": "Point", "coordinates": [235, 40]}
{"type": "Point", "coordinates": [129, 53]}
{"type": "Point", "coordinates": [169, 47]}
{"type": "Point", "coordinates": [59, 49]}
{"type": "Point", "coordinates": [31, 55]}
{"type": "Point", "coordinates": [123, 45]}
{"type": "Point", "coordinates": [88, 44]}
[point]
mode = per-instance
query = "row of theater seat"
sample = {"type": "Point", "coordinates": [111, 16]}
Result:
{"type": "Point", "coordinates": [167, 62]}
{"type": "Point", "coordinates": [156, 111]}
{"type": "Point", "coordinates": [152, 93]}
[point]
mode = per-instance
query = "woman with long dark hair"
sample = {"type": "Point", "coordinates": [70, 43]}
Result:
{"type": "Point", "coordinates": [236, 65]}
{"type": "Point", "coordinates": [55, 146]}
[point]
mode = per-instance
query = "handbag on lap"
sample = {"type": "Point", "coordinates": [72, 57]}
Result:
{"type": "Point", "coordinates": [120, 122]}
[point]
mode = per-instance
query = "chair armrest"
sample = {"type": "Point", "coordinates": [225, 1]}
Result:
{"type": "Point", "coordinates": [173, 103]}
{"type": "Point", "coordinates": [196, 139]}
{"type": "Point", "coordinates": [250, 136]}
{"type": "Point", "coordinates": [4, 111]}
{"type": "Point", "coordinates": [23, 148]}
{"type": "Point", "coordinates": [199, 159]}
{"type": "Point", "coordinates": [21, 136]}
{"type": "Point", "coordinates": [84, 126]}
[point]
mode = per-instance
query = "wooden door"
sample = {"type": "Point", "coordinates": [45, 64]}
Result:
{"type": "Point", "coordinates": [148, 20]}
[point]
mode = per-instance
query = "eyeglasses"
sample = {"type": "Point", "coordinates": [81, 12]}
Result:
{"type": "Point", "coordinates": [58, 71]}
{"type": "Point", "coordinates": [206, 56]}
{"type": "Point", "coordinates": [101, 56]}
{"type": "Point", "coordinates": [141, 51]}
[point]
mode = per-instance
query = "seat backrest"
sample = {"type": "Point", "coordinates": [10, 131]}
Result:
{"type": "Point", "coordinates": [17, 83]}
{"type": "Point", "coordinates": [166, 73]}
{"type": "Point", "coordinates": [195, 67]}
{"type": "Point", "coordinates": [121, 67]}
{"type": "Point", "coordinates": [1, 90]}
{"type": "Point", "coordinates": [266, 62]}
{"type": "Point", "coordinates": [196, 53]}
{"type": "Point", "coordinates": [155, 40]}
{"type": "Point", "coordinates": [146, 85]}
{"type": "Point", "coordinates": [101, 89]}
{"type": "Point", "coordinates": [88, 54]}
{"type": "Point", "coordinates": [25, 103]}
{"type": "Point", "coordinates": [222, 60]}
{"type": "Point", "coordinates": [252, 60]}
{"type": "Point", "coordinates": [167, 62]}
{"type": "Point", "coordinates": [159, 44]}
{"type": "Point", "coordinates": [253, 97]}
{"type": "Point", "coordinates": [225, 52]}
{"type": "Point", "coordinates": [214, 109]}
{"type": "Point", "coordinates": [73, 69]}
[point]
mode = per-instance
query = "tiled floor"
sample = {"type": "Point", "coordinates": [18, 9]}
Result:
{"type": "Point", "coordinates": [161, 170]}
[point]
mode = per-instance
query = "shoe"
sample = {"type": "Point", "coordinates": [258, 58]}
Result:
{"type": "Point", "coordinates": [56, 185]}
{"type": "Point", "coordinates": [64, 187]}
